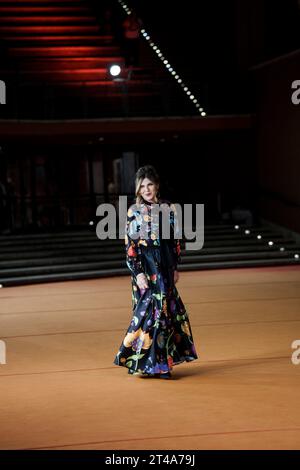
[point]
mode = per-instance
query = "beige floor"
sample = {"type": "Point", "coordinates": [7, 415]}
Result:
{"type": "Point", "coordinates": [61, 390]}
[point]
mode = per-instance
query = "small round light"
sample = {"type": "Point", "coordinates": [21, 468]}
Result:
{"type": "Point", "coordinates": [270, 243]}
{"type": "Point", "coordinates": [259, 237]}
{"type": "Point", "coordinates": [203, 114]}
{"type": "Point", "coordinates": [115, 70]}
{"type": "Point", "coordinates": [185, 88]}
{"type": "Point", "coordinates": [1, 285]}
{"type": "Point", "coordinates": [179, 81]}
{"type": "Point", "coordinates": [296, 256]}
{"type": "Point", "coordinates": [236, 227]}
{"type": "Point", "coordinates": [247, 232]}
{"type": "Point", "coordinates": [282, 248]}
{"type": "Point", "coordinates": [91, 223]}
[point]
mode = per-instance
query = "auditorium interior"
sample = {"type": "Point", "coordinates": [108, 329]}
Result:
{"type": "Point", "coordinates": [209, 94]}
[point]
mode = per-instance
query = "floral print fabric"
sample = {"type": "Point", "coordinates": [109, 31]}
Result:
{"type": "Point", "coordinates": [159, 335]}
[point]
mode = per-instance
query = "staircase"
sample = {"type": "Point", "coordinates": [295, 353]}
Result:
{"type": "Point", "coordinates": [47, 257]}
{"type": "Point", "coordinates": [56, 66]}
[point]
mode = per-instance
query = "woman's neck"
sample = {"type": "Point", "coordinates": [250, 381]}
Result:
{"type": "Point", "coordinates": [151, 202]}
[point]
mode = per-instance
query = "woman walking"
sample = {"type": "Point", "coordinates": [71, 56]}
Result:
{"type": "Point", "coordinates": [159, 335]}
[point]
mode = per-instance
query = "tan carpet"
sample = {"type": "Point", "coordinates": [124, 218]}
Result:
{"type": "Point", "coordinates": [61, 390]}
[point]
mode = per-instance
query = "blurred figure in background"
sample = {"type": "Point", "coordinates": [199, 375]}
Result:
{"type": "Point", "coordinates": [131, 33]}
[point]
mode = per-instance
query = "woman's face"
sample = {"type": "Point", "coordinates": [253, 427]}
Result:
{"type": "Point", "coordinates": [148, 190]}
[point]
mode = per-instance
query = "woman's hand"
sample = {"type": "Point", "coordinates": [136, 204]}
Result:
{"type": "Point", "coordinates": [142, 281]}
{"type": "Point", "coordinates": [176, 276]}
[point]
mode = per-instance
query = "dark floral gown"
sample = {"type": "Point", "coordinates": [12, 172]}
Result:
{"type": "Point", "coordinates": [159, 335]}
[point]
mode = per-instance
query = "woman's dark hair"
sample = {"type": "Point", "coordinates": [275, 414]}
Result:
{"type": "Point", "coordinates": [147, 171]}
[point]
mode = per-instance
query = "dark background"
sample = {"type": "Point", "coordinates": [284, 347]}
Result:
{"type": "Point", "coordinates": [222, 50]}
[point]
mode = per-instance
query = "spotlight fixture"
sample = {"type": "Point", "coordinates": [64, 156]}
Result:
{"type": "Point", "coordinates": [115, 70]}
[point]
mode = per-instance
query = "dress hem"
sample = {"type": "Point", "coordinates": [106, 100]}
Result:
{"type": "Point", "coordinates": [186, 359]}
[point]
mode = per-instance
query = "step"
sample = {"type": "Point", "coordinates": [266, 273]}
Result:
{"type": "Point", "coordinates": [238, 264]}
{"type": "Point", "coordinates": [60, 268]}
{"type": "Point", "coordinates": [65, 246]}
{"type": "Point", "coordinates": [56, 258]}
{"type": "Point", "coordinates": [60, 51]}
{"type": "Point", "coordinates": [59, 250]}
{"type": "Point", "coordinates": [209, 242]}
{"type": "Point", "coordinates": [62, 75]}
{"type": "Point", "coordinates": [69, 62]}
{"type": "Point", "coordinates": [48, 30]}
{"type": "Point", "coordinates": [49, 41]}
{"type": "Point", "coordinates": [264, 255]}
{"type": "Point", "coordinates": [45, 20]}
{"type": "Point", "coordinates": [37, 279]}
{"type": "Point", "coordinates": [100, 273]}
{"type": "Point", "coordinates": [41, 2]}
{"type": "Point", "coordinates": [43, 10]}
{"type": "Point", "coordinates": [210, 237]}
{"type": "Point", "coordinates": [94, 86]}
{"type": "Point", "coordinates": [89, 232]}
{"type": "Point", "coordinates": [97, 246]}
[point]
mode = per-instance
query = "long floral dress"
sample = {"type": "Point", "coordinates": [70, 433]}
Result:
{"type": "Point", "coordinates": [159, 335]}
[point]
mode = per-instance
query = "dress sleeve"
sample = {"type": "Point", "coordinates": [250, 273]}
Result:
{"type": "Point", "coordinates": [175, 240]}
{"type": "Point", "coordinates": [133, 251]}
